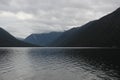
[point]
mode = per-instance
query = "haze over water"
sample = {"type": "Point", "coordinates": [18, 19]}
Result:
{"type": "Point", "coordinates": [57, 64]}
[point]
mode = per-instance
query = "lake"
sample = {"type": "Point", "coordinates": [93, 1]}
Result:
{"type": "Point", "coordinates": [59, 64]}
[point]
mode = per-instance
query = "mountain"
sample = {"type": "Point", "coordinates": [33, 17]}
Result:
{"type": "Point", "coordinates": [104, 32]}
{"type": "Point", "coordinates": [7, 40]}
{"type": "Point", "coordinates": [43, 39]}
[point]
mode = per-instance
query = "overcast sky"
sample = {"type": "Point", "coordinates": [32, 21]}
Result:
{"type": "Point", "coordinates": [23, 17]}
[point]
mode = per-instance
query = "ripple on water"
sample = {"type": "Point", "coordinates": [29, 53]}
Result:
{"type": "Point", "coordinates": [43, 64]}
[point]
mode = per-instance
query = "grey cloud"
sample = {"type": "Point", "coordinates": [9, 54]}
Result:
{"type": "Point", "coordinates": [51, 15]}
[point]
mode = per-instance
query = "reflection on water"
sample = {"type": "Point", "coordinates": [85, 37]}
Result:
{"type": "Point", "coordinates": [57, 64]}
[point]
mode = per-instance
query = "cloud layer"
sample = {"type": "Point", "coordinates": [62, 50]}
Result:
{"type": "Point", "coordinates": [23, 17]}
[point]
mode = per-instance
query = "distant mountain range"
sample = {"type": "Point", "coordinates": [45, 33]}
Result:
{"type": "Point", "coordinates": [104, 32]}
{"type": "Point", "coordinates": [43, 39]}
{"type": "Point", "coordinates": [7, 40]}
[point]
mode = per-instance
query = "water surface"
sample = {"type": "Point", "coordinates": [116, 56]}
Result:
{"type": "Point", "coordinates": [58, 64]}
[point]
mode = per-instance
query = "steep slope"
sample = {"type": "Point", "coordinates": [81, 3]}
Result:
{"type": "Point", "coordinates": [43, 39]}
{"type": "Point", "coordinates": [102, 32]}
{"type": "Point", "coordinates": [7, 40]}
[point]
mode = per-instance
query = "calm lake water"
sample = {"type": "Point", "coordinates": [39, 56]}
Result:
{"type": "Point", "coordinates": [59, 64]}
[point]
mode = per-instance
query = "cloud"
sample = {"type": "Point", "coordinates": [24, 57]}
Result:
{"type": "Point", "coordinates": [23, 17]}
{"type": "Point", "coordinates": [18, 15]}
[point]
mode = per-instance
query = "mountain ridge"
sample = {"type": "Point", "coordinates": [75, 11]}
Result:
{"type": "Point", "coordinates": [42, 39]}
{"type": "Point", "coordinates": [102, 32]}
{"type": "Point", "coordinates": [7, 40]}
